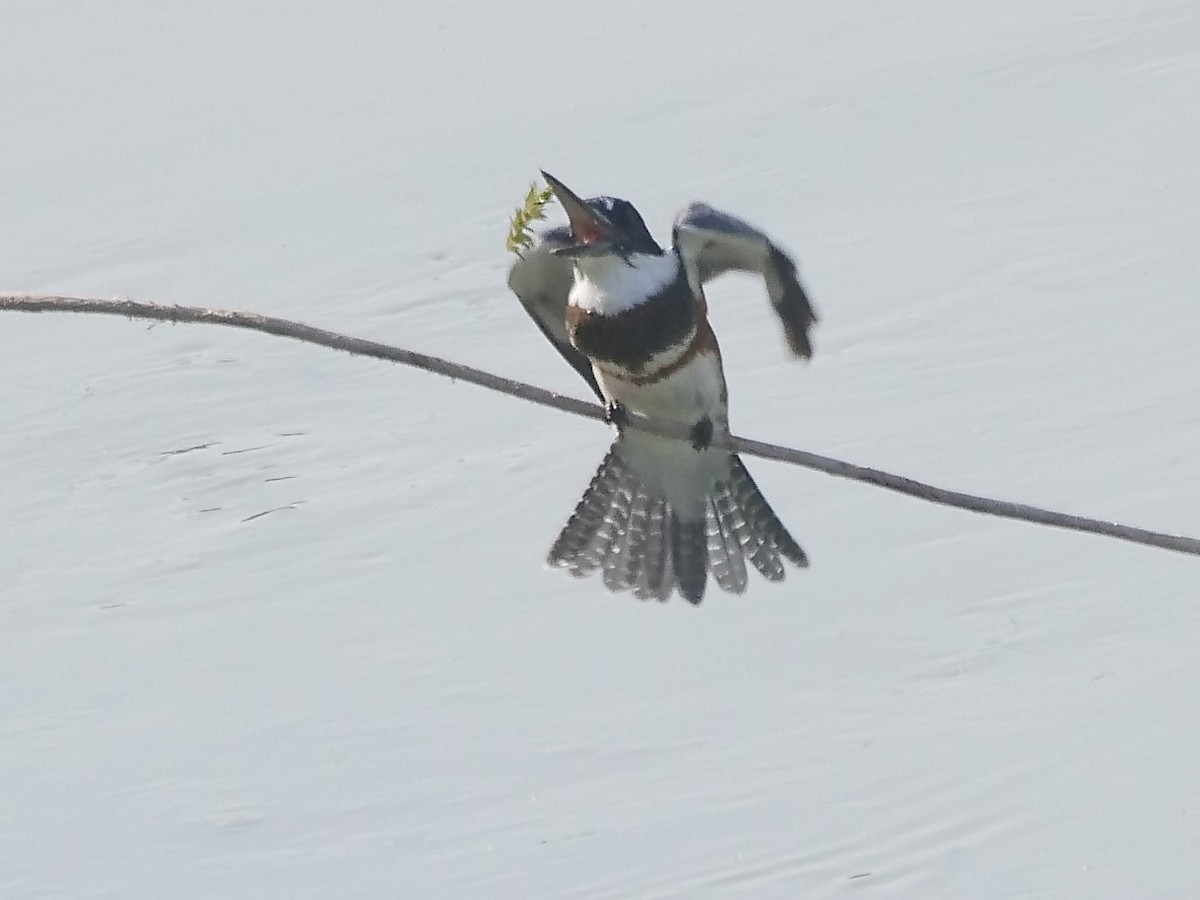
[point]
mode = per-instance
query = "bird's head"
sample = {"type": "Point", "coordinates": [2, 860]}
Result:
{"type": "Point", "coordinates": [602, 226]}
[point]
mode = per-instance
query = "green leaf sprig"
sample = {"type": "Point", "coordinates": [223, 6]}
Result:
{"type": "Point", "coordinates": [534, 208]}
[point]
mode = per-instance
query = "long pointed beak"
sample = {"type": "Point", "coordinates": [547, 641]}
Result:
{"type": "Point", "coordinates": [591, 229]}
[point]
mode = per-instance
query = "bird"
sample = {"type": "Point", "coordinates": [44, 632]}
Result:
{"type": "Point", "coordinates": [631, 318]}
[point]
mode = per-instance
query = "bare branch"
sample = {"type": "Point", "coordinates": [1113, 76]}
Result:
{"type": "Point", "coordinates": [298, 331]}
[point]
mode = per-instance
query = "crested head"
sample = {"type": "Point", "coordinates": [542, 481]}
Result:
{"type": "Point", "coordinates": [634, 236]}
{"type": "Point", "coordinates": [602, 225]}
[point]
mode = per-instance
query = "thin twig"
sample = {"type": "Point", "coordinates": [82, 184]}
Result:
{"type": "Point", "coordinates": [298, 331]}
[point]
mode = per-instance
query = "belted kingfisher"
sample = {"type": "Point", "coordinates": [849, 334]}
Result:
{"type": "Point", "coordinates": [631, 318]}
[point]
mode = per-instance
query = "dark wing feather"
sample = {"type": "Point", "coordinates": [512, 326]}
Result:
{"type": "Point", "coordinates": [712, 242]}
{"type": "Point", "coordinates": [542, 282]}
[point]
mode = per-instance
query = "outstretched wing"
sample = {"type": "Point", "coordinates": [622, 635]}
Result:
{"type": "Point", "coordinates": [712, 242]}
{"type": "Point", "coordinates": [542, 282]}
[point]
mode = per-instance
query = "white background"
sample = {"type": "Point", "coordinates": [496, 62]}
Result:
{"type": "Point", "coordinates": [376, 689]}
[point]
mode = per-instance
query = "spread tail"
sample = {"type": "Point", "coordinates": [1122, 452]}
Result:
{"type": "Point", "coordinates": [625, 528]}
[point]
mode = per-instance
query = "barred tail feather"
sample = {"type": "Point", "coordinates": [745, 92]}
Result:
{"type": "Point", "coordinates": [624, 556]}
{"type": "Point", "coordinates": [753, 544]}
{"type": "Point", "coordinates": [724, 551]}
{"type": "Point", "coordinates": [763, 519]}
{"type": "Point", "coordinates": [635, 547]}
{"type": "Point", "coordinates": [656, 579]}
{"type": "Point", "coordinates": [588, 519]}
{"type": "Point", "coordinates": [624, 528]}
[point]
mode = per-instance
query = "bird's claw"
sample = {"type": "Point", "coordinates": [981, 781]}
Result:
{"type": "Point", "coordinates": [702, 434]}
{"type": "Point", "coordinates": [616, 414]}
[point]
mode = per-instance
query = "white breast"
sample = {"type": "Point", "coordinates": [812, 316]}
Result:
{"type": "Point", "coordinates": [686, 395]}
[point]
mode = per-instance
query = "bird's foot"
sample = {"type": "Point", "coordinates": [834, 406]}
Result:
{"type": "Point", "coordinates": [702, 434]}
{"type": "Point", "coordinates": [616, 414]}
